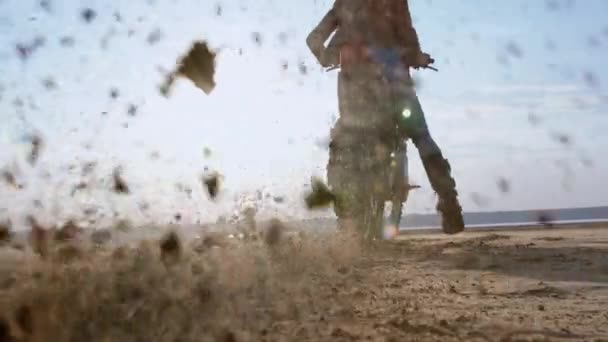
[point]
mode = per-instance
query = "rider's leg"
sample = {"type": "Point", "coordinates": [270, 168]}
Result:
{"type": "Point", "coordinates": [436, 166]}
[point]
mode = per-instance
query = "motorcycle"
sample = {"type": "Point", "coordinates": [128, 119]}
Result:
{"type": "Point", "coordinates": [398, 180]}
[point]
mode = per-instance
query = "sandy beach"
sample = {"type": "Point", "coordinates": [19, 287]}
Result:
{"type": "Point", "coordinates": [501, 285]}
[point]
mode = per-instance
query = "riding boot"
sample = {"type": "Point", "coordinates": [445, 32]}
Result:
{"type": "Point", "coordinates": [438, 171]}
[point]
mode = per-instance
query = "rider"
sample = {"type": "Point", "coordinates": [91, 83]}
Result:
{"type": "Point", "coordinates": [370, 35]}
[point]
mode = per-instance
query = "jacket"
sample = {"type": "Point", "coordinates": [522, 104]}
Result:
{"type": "Point", "coordinates": [382, 23]}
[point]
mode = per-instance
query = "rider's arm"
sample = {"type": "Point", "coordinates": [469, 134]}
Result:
{"type": "Point", "coordinates": [317, 37]}
{"type": "Point", "coordinates": [405, 30]}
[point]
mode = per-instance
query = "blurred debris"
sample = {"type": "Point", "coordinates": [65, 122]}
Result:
{"type": "Point", "coordinates": [207, 152]}
{"type": "Point", "coordinates": [88, 15]}
{"type": "Point", "coordinates": [18, 102]}
{"type": "Point", "coordinates": [587, 162]}
{"type": "Point", "coordinates": [320, 196]}
{"type": "Point", "coordinates": [591, 79]}
{"type": "Point", "coordinates": [154, 155]}
{"type": "Point", "coordinates": [90, 211]}
{"type": "Point", "coordinates": [533, 119]}
{"type": "Point", "coordinates": [226, 335]}
{"type": "Point", "coordinates": [9, 178]}
{"type": "Point", "coordinates": [68, 232]}
{"type": "Point", "coordinates": [285, 65]}
{"type": "Point", "coordinates": [257, 38]}
{"type": "Point", "coordinates": [170, 248]}
{"type": "Point", "coordinates": [49, 83]}
{"type": "Point", "coordinates": [24, 318]}
{"type": "Point", "coordinates": [274, 232]}
{"type": "Point", "coordinates": [88, 167]}
{"type": "Point", "coordinates": [25, 50]}
{"type": "Point", "coordinates": [105, 39]}
{"type": "Point", "coordinates": [120, 253]}
{"type": "Point", "coordinates": [37, 204]}
{"type": "Point", "coordinates": [249, 214]}
{"type": "Point", "coordinates": [514, 50]}
{"type": "Point", "coordinates": [101, 236]}
{"type": "Point", "coordinates": [198, 65]}
{"type": "Point", "coordinates": [212, 183]}
{"type": "Point", "coordinates": [36, 146]}
{"type": "Point", "coordinates": [562, 138]}
{"type": "Point", "coordinates": [504, 185]}
{"type": "Point", "coordinates": [283, 38]}
{"type": "Point", "coordinates": [208, 241]}
{"type": "Point", "coordinates": [544, 218]}
{"type": "Point", "coordinates": [39, 237]}
{"type": "Point", "coordinates": [6, 233]}
{"type": "Point", "coordinates": [594, 42]}
{"type": "Point", "coordinates": [114, 93]}
{"type": "Point", "coordinates": [123, 226]}
{"type": "Point", "coordinates": [68, 253]}
{"type": "Point", "coordinates": [154, 36]}
{"type": "Point", "coordinates": [46, 5]}
{"type": "Point", "coordinates": [323, 143]}
{"type": "Point", "coordinates": [132, 110]}
{"type": "Point", "coordinates": [480, 200]}
{"type": "Point", "coordinates": [120, 185]}
{"type": "Point", "coordinates": [143, 206]}
{"type": "Point", "coordinates": [67, 41]}
{"type": "Point", "coordinates": [5, 330]}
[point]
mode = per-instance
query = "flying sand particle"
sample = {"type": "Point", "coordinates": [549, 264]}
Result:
{"type": "Point", "coordinates": [198, 65]}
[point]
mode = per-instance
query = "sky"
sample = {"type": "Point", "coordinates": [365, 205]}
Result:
{"type": "Point", "coordinates": [520, 99]}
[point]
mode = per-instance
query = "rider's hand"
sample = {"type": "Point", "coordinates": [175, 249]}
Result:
{"type": "Point", "coordinates": [324, 62]}
{"type": "Point", "coordinates": [325, 59]}
{"type": "Point", "coordinates": [422, 59]}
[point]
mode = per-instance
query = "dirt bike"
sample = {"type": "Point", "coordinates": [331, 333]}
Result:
{"type": "Point", "coordinates": [373, 214]}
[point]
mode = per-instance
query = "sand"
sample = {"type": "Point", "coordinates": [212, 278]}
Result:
{"type": "Point", "coordinates": [532, 285]}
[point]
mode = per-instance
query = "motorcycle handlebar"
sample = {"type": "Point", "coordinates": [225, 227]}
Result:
{"type": "Point", "coordinates": [334, 67]}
